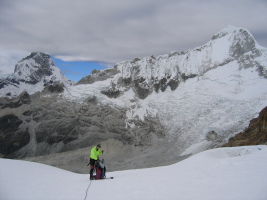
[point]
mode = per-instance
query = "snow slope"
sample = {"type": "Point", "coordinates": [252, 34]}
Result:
{"type": "Point", "coordinates": [224, 173]}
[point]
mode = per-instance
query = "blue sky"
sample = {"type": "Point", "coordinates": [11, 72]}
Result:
{"type": "Point", "coordinates": [75, 70]}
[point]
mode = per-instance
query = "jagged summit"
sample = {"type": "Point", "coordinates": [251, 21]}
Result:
{"type": "Point", "coordinates": [229, 30]}
{"type": "Point", "coordinates": [34, 67]}
{"type": "Point", "coordinates": [40, 58]}
{"type": "Point", "coordinates": [32, 74]}
{"type": "Point", "coordinates": [238, 33]}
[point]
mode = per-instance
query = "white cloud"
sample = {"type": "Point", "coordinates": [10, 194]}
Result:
{"type": "Point", "coordinates": [9, 58]}
{"type": "Point", "coordinates": [113, 31]}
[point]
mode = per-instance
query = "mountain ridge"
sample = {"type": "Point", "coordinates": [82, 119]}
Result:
{"type": "Point", "coordinates": [146, 74]}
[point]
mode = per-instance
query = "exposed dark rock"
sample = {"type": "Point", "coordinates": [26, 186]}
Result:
{"type": "Point", "coordinates": [126, 81]}
{"type": "Point", "coordinates": [185, 77]}
{"type": "Point", "coordinates": [27, 113]}
{"type": "Point", "coordinates": [55, 88]}
{"type": "Point", "coordinates": [23, 98]}
{"type": "Point", "coordinates": [9, 81]}
{"type": "Point", "coordinates": [262, 71]}
{"type": "Point", "coordinates": [142, 90]}
{"type": "Point", "coordinates": [4, 101]}
{"type": "Point", "coordinates": [173, 83]}
{"type": "Point", "coordinates": [163, 84]}
{"type": "Point", "coordinates": [98, 75]}
{"type": "Point", "coordinates": [12, 138]}
{"type": "Point", "coordinates": [92, 100]}
{"type": "Point", "coordinates": [111, 93]}
{"type": "Point", "coordinates": [135, 60]}
{"type": "Point", "coordinates": [255, 134]}
{"type": "Point", "coordinates": [242, 45]}
{"type": "Point", "coordinates": [9, 123]}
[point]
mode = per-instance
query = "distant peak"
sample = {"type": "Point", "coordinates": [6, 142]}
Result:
{"type": "Point", "coordinates": [36, 54]}
{"type": "Point", "coordinates": [34, 62]}
{"type": "Point", "coordinates": [229, 30]}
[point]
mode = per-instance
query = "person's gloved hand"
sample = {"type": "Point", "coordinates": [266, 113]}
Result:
{"type": "Point", "coordinates": [102, 151]}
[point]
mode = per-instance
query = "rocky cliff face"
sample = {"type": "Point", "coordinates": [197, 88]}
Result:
{"type": "Point", "coordinates": [42, 124]}
{"type": "Point", "coordinates": [32, 74]}
{"type": "Point", "coordinates": [254, 134]}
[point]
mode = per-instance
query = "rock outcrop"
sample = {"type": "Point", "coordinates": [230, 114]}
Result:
{"type": "Point", "coordinates": [98, 75]}
{"type": "Point", "coordinates": [254, 134]}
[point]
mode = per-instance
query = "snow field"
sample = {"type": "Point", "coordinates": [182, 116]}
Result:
{"type": "Point", "coordinates": [224, 173]}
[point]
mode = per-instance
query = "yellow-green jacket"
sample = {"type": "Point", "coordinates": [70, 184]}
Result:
{"type": "Point", "coordinates": [95, 153]}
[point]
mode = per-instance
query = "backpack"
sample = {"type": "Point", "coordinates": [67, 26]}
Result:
{"type": "Point", "coordinates": [100, 169]}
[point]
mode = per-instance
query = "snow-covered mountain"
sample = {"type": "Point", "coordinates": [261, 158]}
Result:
{"type": "Point", "coordinates": [146, 112]}
{"type": "Point", "coordinates": [232, 45]}
{"type": "Point", "coordinates": [201, 97]}
{"type": "Point", "coordinates": [225, 173]}
{"type": "Point", "coordinates": [32, 74]}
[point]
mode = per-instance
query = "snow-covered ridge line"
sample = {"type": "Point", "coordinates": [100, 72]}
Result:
{"type": "Point", "coordinates": [149, 74]}
{"type": "Point", "coordinates": [225, 46]}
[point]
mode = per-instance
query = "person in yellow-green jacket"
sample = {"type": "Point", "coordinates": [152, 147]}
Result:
{"type": "Point", "coordinates": [94, 154]}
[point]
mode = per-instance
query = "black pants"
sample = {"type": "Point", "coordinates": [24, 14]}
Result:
{"type": "Point", "coordinates": [92, 161]}
{"type": "Point", "coordinates": [92, 165]}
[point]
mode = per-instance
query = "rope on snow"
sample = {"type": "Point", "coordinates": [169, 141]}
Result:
{"type": "Point", "coordinates": [87, 190]}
